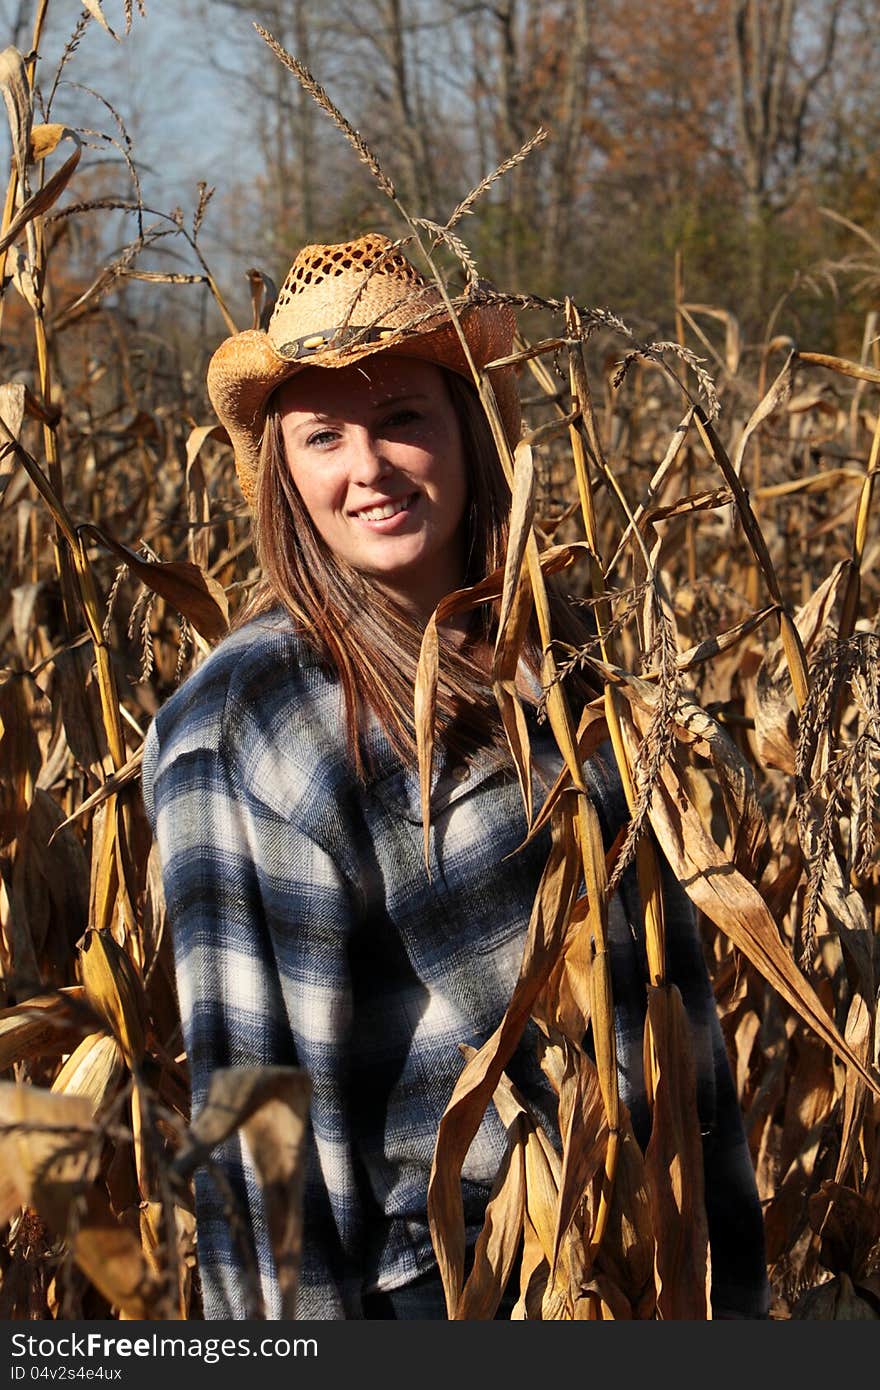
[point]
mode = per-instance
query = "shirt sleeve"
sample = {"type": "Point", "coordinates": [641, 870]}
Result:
{"type": "Point", "coordinates": [260, 915]}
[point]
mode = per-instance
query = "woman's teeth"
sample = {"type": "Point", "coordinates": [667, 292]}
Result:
{"type": "Point", "coordinates": [383, 513]}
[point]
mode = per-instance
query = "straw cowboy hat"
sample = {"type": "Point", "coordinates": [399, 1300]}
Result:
{"type": "Point", "coordinates": [337, 305]}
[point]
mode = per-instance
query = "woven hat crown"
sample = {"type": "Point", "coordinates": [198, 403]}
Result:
{"type": "Point", "coordinates": [334, 293]}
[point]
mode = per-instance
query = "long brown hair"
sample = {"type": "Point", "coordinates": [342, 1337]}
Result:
{"type": "Point", "coordinates": [357, 630]}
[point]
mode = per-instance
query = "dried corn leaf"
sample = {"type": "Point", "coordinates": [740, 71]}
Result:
{"type": "Point", "coordinates": [835, 1300]}
{"type": "Point", "coordinates": [717, 887]}
{"type": "Point", "coordinates": [626, 1253]}
{"type": "Point", "coordinates": [186, 587]}
{"type": "Point", "coordinates": [199, 436]}
{"type": "Point", "coordinates": [12, 403]}
{"type": "Point", "coordinates": [674, 1161]}
{"type": "Point", "coordinates": [18, 954]}
{"type": "Point", "coordinates": [857, 1032]}
{"type": "Point", "coordinates": [584, 1130]}
{"type": "Point", "coordinates": [806, 401]}
{"type": "Point", "coordinates": [498, 1241]}
{"type": "Point", "coordinates": [19, 105]}
{"type": "Point", "coordinates": [824, 481]}
{"type": "Point", "coordinates": [45, 139]}
{"type": "Point", "coordinates": [777, 395]}
{"type": "Point", "coordinates": [859, 370]}
{"type": "Point", "coordinates": [746, 1034]}
{"type": "Point", "coordinates": [275, 1134]}
{"type": "Point", "coordinates": [41, 201]}
{"type": "Point", "coordinates": [45, 1025]}
{"type": "Point", "coordinates": [592, 855]}
{"type": "Point", "coordinates": [591, 734]}
{"type": "Point", "coordinates": [77, 695]}
{"type": "Point", "coordinates": [543, 1172]}
{"type": "Point", "coordinates": [33, 907]}
{"type": "Point", "coordinates": [481, 1075]}
{"type": "Point", "coordinates": [659, 479]}
{"type": "Point", "coordinates": [810, 1096]}
{"type": "Point", "coordinates": [542, 1164]}
{"type": "Point", "coordinates": [110, 1254]}
{"type": "Point", "coordinates": [848, 1224]}
{"type": "Point", "coordinates": [504, 687]}
{"type": "Point", "coordinates": [95, 10]}
{"type": "Point", "coordinates": [845, 910]}
{"type": "Point", "coordinates": [732, 334]}
{"type": "Point", "coordinates": [714, 646]}
{"type": "Point", "coordinates": [727, 803]}
{"type": "Point", "coordinates": [785, 1217]}
{"type": "Point", "coordinates": [521, 518]}
{"type": "Point", "coordinates": [104, 876]}
{"type": "Point", "coordinates": [534, 1271]}
{"type": "Point", "coordinates": [198, 506]}
{"type": "Point", "coordinates": [48, 885]}
{"type": "Point", "coordinates": [234, 1094]}
{"type": "Point", "coordinates": [264, 293]}
{"type": "Point", "coordinates": [552, 560]}
{"type": "Point", "coordinates": [736, 907]}
{"type": "Point", "coordinates": [564, 1001]}
{"type": "Point", "coordinates": [47, 1149]}
{"type": "Point", "coordinates": [24, 278]}
{"type": "Point", "coordinates": [772, 702]}
{"type": "Point", "coordinates": [93, 1070]}
{"type": "Point", "coordinates": [600, 1300]}
{"type": "Point", "coordinates": [23, 709]}
{"type": "Point", "coordinates": [115, 991]}
{"type": "Point", "coordinates": [768, 1097]}
{"type": "Point", "coordinates": [127, 774]}
{"type": "Point", "coordinates": [270, 1106]}
{"type": "Point", "coordinates": [25, 598]}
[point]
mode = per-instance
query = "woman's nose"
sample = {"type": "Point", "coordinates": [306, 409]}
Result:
{"type": "Point", "coordinates": [367, 459]}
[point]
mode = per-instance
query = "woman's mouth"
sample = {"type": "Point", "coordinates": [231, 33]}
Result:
{"type": "Point", "coordinates": [387, 511]}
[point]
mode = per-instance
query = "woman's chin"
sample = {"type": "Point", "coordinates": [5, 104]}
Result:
{"type": "Point", "coordinates": [417, 585]}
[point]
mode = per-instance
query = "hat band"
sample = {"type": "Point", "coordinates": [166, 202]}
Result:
{"type": "Point", "coordinates": [307, 346]}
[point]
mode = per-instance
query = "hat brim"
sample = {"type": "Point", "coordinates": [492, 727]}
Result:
{"type": "Point", "coordinates": [247, 368]}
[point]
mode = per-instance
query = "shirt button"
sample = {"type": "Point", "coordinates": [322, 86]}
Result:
{"type": "Point", "coordinates": [461, 772]}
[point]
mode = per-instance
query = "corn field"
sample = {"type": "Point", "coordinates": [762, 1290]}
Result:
{"type": "Point", "coordinates": [709, 504]}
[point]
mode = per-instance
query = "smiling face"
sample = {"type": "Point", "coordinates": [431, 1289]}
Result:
{"type": "Point", "coordinates": [375, 452]}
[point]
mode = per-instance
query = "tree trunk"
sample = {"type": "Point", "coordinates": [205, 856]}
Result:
{"type": "Point", "coordinates": [567, 137]}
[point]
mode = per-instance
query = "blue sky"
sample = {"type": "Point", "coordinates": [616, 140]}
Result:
{"type": "Point", "coordinates": [185, 120]}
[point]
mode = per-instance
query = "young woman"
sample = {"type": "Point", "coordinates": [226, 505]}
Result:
{"type": "Point", "coordinates": [282, 785]}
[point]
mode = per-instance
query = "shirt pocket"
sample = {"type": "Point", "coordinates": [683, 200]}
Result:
{"type": "Point", "coordinates": [481, 876]}
{"type": "Point", "coordinates": [453, 779]}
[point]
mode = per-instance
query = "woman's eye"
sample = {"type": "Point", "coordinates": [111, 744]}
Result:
{"type": "Point", "coordinates": [322, 439]}
{"type": "Point", "coordinates": [401, 418]}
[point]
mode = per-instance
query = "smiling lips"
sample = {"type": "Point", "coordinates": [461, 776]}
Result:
{"type": "Point", "coordinates": [386, 510]}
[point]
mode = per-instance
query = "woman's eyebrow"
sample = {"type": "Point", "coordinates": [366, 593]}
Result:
{"type": "Point", "coordinates": [317, 417]}
{"type": "Point", "coordinates": [398, 400]}
{"type": "Point", "coordinates": [325, 417]}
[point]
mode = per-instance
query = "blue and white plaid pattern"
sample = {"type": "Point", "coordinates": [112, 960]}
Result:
{"type": "Point", "coordinates": [307, 931]}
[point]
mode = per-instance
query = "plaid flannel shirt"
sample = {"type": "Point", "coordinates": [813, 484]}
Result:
{"type": "Point", "coordinates": [307, 931]}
